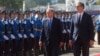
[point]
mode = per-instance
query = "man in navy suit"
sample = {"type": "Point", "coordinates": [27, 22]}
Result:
{"type": "Point", "coordinates": [52, 34]}
{"type": "Point", "coordinates": [81, 35]}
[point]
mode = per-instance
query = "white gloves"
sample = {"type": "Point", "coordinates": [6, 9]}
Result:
{"type": "Point", "coordinates": [5, 37]}
{"type": "Point", "coordinates": [12, 36]}
{"type": "Point", "coordinates": [20, 35]}
{"type": "Point", "coordinates": [64, 31]}
{"type": "Point", "coordinates": [25, 36]}
{"type": "Point", "coordinates": [32, 36]}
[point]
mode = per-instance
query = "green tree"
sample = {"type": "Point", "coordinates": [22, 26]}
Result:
{"type": "Point", "coordinates": [33, 3]}
{"type": "Point", "coordinates": [98, 2]}
{"type": "Point", "coordinates": [61, 1]}
{"type": "Point", "coordinates": [11, 4]}
{"type": "Point", "coordinates": [42, 2]}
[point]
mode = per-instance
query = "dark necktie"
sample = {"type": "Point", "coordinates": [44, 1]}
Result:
{"type": "Point", "coordinates": [50, 24]}
{"type": "Point", "coordinates": [79, 19]}
{"type": "Point", "coordinates": [49, 29]}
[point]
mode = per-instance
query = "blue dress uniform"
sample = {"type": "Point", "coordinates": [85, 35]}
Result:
{"type": "Point", "coordinates": [98, 28]}
{"type": "Point", "coordinates": [32, 32]}
{"type": "Point", "coordinates": [37, 28]}
{"type": "Point", "coordinates": [68, 23]}
{"type": "Point", "coordinates": [27, 29]}
{"type": "Point", "coordinates": [63, 21]}
{"type": "Point", "coordinates": [15, 28]}
{"type": "Point", "coordinates": [27, 37]}
{"type": "Point", "coordinates": [21, 36]}
{"type": "Point", "coordinates": [37, 34]}
{"type": "Point", "coordinates": [15, 38]}
{"type": "Point", "coordinates": [7, 33]}
{"type": "Point", "coordinates": [3, 47]}
{"type": "Point", "coordinates": [2, 40]}
{"type": "Point", "coordinates": [66, 29]}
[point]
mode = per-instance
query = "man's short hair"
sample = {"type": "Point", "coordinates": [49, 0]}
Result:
{"type": "Point", "coordinates": [80, 4]}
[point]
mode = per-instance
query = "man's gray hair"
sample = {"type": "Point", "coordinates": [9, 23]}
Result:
{"type": "Point", "coordinates": [50, 9]}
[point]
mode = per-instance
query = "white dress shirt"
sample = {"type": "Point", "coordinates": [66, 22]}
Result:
{"type": "Point", "coordinates": [80, 14]}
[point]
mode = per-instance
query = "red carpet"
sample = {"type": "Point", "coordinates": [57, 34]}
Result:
{"type": "Point", "coordinates": [97, 54]}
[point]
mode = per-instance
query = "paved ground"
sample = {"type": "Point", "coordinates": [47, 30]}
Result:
{"type": "Point", "coordinates": [94, 50]}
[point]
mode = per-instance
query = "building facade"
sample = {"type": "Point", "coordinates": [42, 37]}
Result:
{"type": "Point", "coordinates": [89, 5]}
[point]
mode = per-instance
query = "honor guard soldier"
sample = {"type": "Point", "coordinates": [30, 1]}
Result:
{"type": "Point", "coordinates": [59, 15]}
{"type": "Point", "coordinates": [65, 29]}
{"type": "Point", "coordinates": [37, 32]}
{"type": "Point", "coordinates": [27, 35]}
{"type": "Point", "coordinates": [62, 18]}
{"type": "Point", "coordinates": [8, 29]}
{"type": "Point", "coordinates": [32, 22]}
{"type": "Point", "coordinates": [14, 23]}
{"type": "Point", "coordinates": [32, 14]}
{"type": "Point", "coordinates": [3, 37]}
{"type": "Point", "coordinates": [21, 33]}
{"type": "Point", "coordinates": [97, 22]}
{"type": "Point", "coordinates": [68, 24]}
{"type": "Point", "coordinates": [43, 16]}
{"type": "Point", "coordinates": [6, 36]}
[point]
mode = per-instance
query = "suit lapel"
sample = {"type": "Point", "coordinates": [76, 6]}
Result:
{"type": "Point", "coordinates": [75, 17]}
{"type": "Point", "coordinates": [52, 24]}
{"type": "Point", "coordinates": [46, 26]}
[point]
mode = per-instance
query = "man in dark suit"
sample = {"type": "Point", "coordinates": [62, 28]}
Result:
{"type": "Point", "coordinates": [81, 35]}
{"type": "Point", "coordinates": [52, 34]}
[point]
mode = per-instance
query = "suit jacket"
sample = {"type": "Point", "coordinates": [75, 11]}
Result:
{"type": "Point", "coordinates": [53, 36]}
{"type": "Point", "coordinates": [84, 30]}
